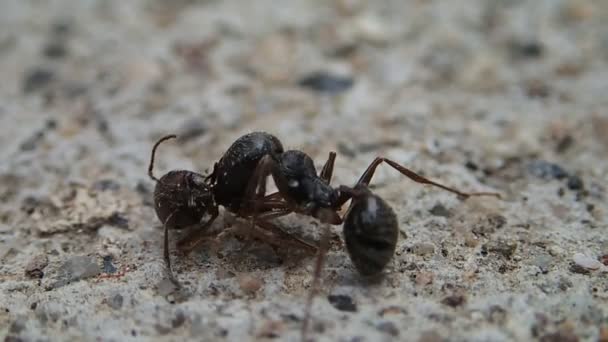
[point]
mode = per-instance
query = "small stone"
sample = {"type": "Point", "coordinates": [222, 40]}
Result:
{"type": "Point", "coordinates": [555, 250]}
{"type": "Point", "coordinates": [454, 300]}
{"type": "Point", "coordinates": [76, 268]}
{"type": "Point", "coordinates": [271, 329]}
{"type": "Point", "coordinates": [108, 267]}
{"type": "Point", "coordinates": [80, 267]}
{"type": "Point", "coordinates": [527, 49]}
{"type": "Point", "coordinates": [324, 82]}
{"type": "Point", "coordinates": [439, 210]}
{"type": "Point", "coordinates": [392, 310]}
{"type": "Point", "coordinates": [424, 278]}
{"type": "Point", "coordinates": [575, 183]}
{"type": "Point", "coordinates": [249, 283]}
{"type": "Point", "coordinates": [55, 50]}
{"type": "Point", "coordinates": [389, 328]}
{"type": "Point", "coordinates": [34, 268]}
{"type": "Point", "coordinates": [372, 29]}
{"type": "Point", "coordinates": [36, 79]}
{"type": "Point", "coordinates": [505, 248]}
{"type": "Point", "coordinates": [586, 262]}
{"type": "Point", "coordinates": [546, 170]}
{"type": "Point", "coordinates": [423, 248]}
{"type": "Point", "coordinates": [342, 303]}
{"type": "Point", "coordinates": [115, 302]}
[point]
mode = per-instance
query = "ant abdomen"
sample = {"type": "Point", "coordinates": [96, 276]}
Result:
{"type": "Point", "coordinates": [181, 199]}
{"type": "Point", "coordinates": [371, 232]}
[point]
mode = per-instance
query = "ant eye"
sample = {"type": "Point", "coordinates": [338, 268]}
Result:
{"type": "Point", "coordinates": [293, 183]}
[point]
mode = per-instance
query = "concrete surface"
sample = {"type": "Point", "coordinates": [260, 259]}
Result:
{"type": "Point", "coordinates": [505, 96]}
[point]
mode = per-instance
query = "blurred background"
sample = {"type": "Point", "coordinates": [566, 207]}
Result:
{"type": "Point", "coordinates": [492, 95]}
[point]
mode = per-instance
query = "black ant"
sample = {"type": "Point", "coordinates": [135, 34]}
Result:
{"type": "Point", "coordinates": [370, 225]}
{"type": "Point", "coordinates": [183, 198]}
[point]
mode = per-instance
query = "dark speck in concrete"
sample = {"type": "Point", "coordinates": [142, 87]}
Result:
{"type": "Point", "coordinates": [546, 170]}
{"type": "Point", "coordinates": [454, 300]}
{"type": "Point", "coordinates": [575, 183]}
{"type": "Point", "coordinates": [108, 267]}
{"type": "Point", "coordinates": [439, 210]}
{"type": "Point", "coordinates": [36, 79]}
{"type": "Point", "coordinates": [324, 82]}
{"type": "Point", "coordinates": [342, 303]}
{"type": "Point", "coordinates": [116, 301]}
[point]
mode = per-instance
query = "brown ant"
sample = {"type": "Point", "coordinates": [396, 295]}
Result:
{"type": "Point", "coordinates": [183, 198]}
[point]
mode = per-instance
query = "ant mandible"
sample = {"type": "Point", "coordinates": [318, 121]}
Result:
{"type": "Point", "coordinates": [183, 198]}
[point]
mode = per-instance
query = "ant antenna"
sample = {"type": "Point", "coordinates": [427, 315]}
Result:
{"type": "Point", "coordinates": [166, 137]}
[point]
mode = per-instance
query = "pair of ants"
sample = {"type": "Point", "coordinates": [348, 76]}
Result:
{"type": "Point", "coordinates": [238, 182]}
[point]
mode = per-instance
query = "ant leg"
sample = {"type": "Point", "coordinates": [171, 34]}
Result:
{"type": "Point", "coordinates": [369, 172]}
{"type": "Point", "coordinates": [323, 248]}
{"type": "Point", "coordinates": [151, 166]}
{"type": "Point", "coordinates": [264, 222]}
{"type": "Point", "coordinates": [166, 251]}
{"type": "Point", "coordinates": [256, 190]}
{"type": "Point", "coordinates": [328, 168]}
{"type": "Point", "coordinates": [192, 240]}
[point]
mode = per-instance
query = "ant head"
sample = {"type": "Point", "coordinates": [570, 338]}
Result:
{"type": "Point", "coordinates": [297, 179]}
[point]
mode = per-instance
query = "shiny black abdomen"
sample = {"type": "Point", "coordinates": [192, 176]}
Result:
{"type": "Point", "coordinates": [370, 232]}
{"type": "Point", "coordinates": [234, 171]}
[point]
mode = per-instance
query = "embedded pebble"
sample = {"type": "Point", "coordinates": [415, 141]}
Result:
{"type": "Point", "coordinates": [586, 262]}
{"type": "Point", "coordinates": [249, 283]}
{"type": "Point", "coordinates": [423, 248]}
{"type": "Point", "coordinates": [342, 303]}
{"type": "Point", "coordinates": [36, 79]}
{"type": "Point", "coordinates": [76, 268]}
{"type": "Point", "coordinates": [546, 170]}
{"type": "Point", "coordinates": [35, 267]}
{"type": "Point", "coordinates": [327, 83]}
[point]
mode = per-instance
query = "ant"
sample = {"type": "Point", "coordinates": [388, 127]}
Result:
{"type": "Point", "coordinates": [370, 225]}
{"type": "Point", "coordinates": [183, 198]}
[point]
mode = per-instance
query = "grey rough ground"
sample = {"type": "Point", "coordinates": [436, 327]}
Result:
{"type": "Point", "coordinates": [481, 95]}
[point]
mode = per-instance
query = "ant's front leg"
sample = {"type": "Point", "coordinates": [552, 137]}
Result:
{"type": "Point", "coordinates": [369, 173]}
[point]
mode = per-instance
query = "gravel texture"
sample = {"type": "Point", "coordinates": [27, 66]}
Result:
{"type": "Point", "coordinates": [506, 96]}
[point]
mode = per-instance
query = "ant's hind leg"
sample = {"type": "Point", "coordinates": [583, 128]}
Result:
{"type": "Point", "coordinates": [369, 172]}
{"type": "Point", "coordinates": [323, 248]}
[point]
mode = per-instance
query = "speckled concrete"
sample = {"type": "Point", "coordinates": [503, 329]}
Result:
{"type": "Point", "coordinates": [506, 96]}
